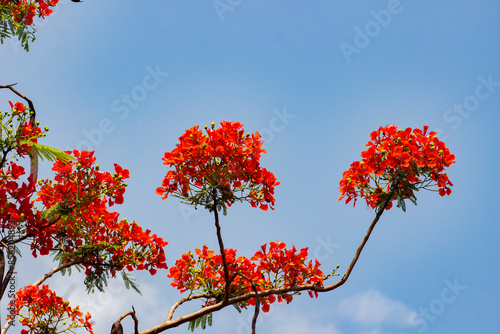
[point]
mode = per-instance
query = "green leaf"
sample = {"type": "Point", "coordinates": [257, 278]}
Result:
{"type": "Point", "coordinates": [203, 321]}
{"type": "Point", "coordinates": [130, 282]}
{"type": "Point", "coordinates": [401, 204]}
{"type": "Point", "coordinates": [48, 152]}
{"type": "Point", "coordinates": [237, 308]}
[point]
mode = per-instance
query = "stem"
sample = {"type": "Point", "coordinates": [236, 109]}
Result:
{"type": "Point", "coordinates": [181, 301]}
{"type": "Point", "coordinates": [221, 247]}
{"type": "Point", "coordinates": [53, 271]}
{"type": "Point", "coordinates": [257, 302]}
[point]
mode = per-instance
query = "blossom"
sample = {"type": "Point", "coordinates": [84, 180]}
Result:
{"type": "Point", "coordinates": [397, 162]}
{"type": "Point", "coordinates": [218, 168]}
{"type": "Point", "coordinates": [24, 11]}
{"type": "Point", "coordinates": [78, 219]}
{"type": "Point", "coordinates": [276, 267]}
{"type": "Point", "coordinates": [46, 312]}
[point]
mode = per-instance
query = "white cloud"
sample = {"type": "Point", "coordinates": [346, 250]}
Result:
{"type": "Point", "coordinates": [106, 308]}
{"type": "Point", "coordinates": [372, 308]}
{"type": "Point", "coordinates": [293, 322]}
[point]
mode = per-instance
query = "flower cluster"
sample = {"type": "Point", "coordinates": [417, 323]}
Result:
{"type": "Point", "coordinates": [78, 220]}
{"type": "Point", "coordinates": [276, 267]}
{"type": "Point", "coordinates": [16, 131]}
{"type": "Point", "coordinates": [15, 198]}
{"type": "Point", "coordinates": [218, 168]}
{"type": "Point", "coordinates": [399, 162]}
{"type": "Point", "coordinates": [23, 11]}
{"type": "Point", "coordinates": [48, 313]}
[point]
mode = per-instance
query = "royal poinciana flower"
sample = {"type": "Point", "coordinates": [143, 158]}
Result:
{"type": "Point", "coordinates": [42, 311]}
{"type": "Point", "coordinates": [23, 11]}
{"type": "Point", "coordinates": [398, 162]}
{"type": "Point", "coordinates": [16, 130]}
{"type": "Point", "coordinates": [276, 267]}
{"type": "Point", "coordinates": [77, 221]}
{"type": "Point", "coordinates": [218, 168]}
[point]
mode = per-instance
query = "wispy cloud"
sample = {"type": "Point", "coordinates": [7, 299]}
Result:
{"type": "Point", "coordinates": [374, 309]}
{"type": "Point", "coordinates": [284, 321]}
{"type": "Point", "coordinates": [107, 307]}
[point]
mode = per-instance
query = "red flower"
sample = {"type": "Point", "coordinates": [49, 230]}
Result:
{"type": "Point", "coordinates": [47, 312]}
{"type": "Point", "coordinates": [400, 162]}
{"type": "Point", "coordinates": [218, 169]}
{"type": "Point", "coordinates": [277, 268]}
{"type": "Point", "coordinates": [80, 197]}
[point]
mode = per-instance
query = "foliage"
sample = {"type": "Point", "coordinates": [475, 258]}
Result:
{"type": "Point", "coordinates": [16, 18]}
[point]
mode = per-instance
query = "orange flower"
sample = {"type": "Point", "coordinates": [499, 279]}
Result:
{"type": "Point", "coordinates": [277, 267]}
{"type": "Point", "coordinates": [400, 162]}
{"type": "Point", "coordinates": [47, 312]}
{"type": "Point", "coordinates": [218, 168]}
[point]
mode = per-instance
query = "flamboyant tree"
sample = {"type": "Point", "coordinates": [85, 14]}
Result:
{"type": "Point", "coordinates": [70, 217]}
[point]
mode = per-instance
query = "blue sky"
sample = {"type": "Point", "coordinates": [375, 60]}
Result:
{"type": "Point", "coordinates": [315, 78]}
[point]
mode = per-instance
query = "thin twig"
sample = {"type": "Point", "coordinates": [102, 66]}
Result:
{"type": "Point", "coordinates": [257, 302]}
{"type": "Point", "coordinates": [53, 271]}
{"type": "Point", "coordinates": [221, 247]}
{"type": "Point", "coordinates": [180, 302]}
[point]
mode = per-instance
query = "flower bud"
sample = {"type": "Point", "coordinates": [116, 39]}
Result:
{"type": "Point", "coordinates": [212, 125]}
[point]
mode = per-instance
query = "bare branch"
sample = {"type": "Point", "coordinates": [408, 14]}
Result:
{"type": "Point", "coordinates": [181, 301]}
{"type": "Point", "coordinates": [55, 270]}
{"type": "Point", "coordinates": [257, 302]}
{"type": "Point", "coordinates": [221, 246]}
{"type": "Point", "coordinates": [117, 326]}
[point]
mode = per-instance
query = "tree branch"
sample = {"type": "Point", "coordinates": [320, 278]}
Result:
{"type": "Point", "coordinates": [238, 299]}
{"type": "Point", "coordinates": [55, 270]}
{"type": "Point", "coordinates": [257, 302]}
{"type": "Point", "coordinates": [221, 247]}
{"type": "Point", "coordinates": [181, 301]}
